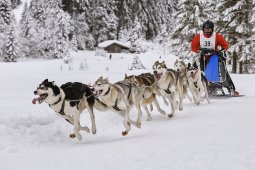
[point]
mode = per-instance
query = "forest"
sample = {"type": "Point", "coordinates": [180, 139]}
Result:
{"type": "Point", "coordinates": [50, 29]}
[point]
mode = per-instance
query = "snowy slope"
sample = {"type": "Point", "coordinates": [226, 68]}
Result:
{"type": "Point", "coordinates": [212, 136]}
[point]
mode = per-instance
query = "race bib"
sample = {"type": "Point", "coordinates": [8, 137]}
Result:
{"type": "Point", "coordinates": [207, 42]}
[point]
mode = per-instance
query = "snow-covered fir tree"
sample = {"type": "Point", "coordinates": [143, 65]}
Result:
{"type": "Point", "coordinates": [15, 3]}
{"type": "Point", "coordinates": [74, 43]}
{"type": "Point", "coordinates": [136, 64]}
{"type": "Point", "coordinates": [5, 21]}
{"type": "Point", "coordinates": [189, 19]}
{"type": "Point", "coordinates": [237, 15]}
{"type": "Point", "coordinates": [104, 25]}
{"type": "Point", "coordinates": [83, 33]}
{"type": "Point", "coordinates": [5, 12]}
{"type": "Point", "coordinates": [51, 26]}
{"type": "Point", "coordinates": [11, 53]}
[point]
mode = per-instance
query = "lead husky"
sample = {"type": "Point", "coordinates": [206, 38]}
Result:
{"type": "Point", "coordinates": [119, 97]}
{"type": "Point", "coordinates": [146, 82]}
{"type": "Point", "coordinates": [167, 81]}
{"type": "Point", "coordinates": [68, 101]}
{"type": "Point", "coordinates": [197, 83]}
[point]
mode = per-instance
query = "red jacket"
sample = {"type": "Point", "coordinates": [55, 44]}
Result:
{"type": "Point", "coordinates": [220, 40]}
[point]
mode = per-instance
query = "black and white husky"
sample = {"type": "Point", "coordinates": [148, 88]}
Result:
{"type": "Point", "coordinates": [197, 83]}
{"type": "Point", "coordinates": [68, 101]}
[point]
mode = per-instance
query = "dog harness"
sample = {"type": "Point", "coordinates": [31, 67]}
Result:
{"type": "Point", "coordinates": [62, 107]}
{"type": "Point", "coordinates": [115, 107]}
{"type": "Point", "coordinates": [167, 90]}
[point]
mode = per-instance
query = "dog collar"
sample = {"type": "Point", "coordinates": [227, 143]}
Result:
{"type": "Point", "coordinates": [107, 91]}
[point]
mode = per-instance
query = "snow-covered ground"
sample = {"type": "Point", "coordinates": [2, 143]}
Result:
{"type": "Point", "coordinates": [216, 136]}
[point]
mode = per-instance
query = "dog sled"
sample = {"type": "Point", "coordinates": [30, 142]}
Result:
{"type": "Point", "coordinates": [213, 63]}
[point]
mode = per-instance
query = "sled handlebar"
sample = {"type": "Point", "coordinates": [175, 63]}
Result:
{"type": "Point", "coordinates": [206, 51]}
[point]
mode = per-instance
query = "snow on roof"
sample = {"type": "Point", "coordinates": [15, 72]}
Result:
{"type": "Point", "coordinates": [110, 42]}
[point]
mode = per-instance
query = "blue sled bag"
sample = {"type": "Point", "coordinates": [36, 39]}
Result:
{"type": "Point", "coordinates": [212, 69]}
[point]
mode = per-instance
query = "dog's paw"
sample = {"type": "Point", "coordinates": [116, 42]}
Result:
{"type": "Point", "coordinates": [138, 124]}
{"type": "Point", "coordinates": [149, 118]}
{"type": "Point", "coordinates": [85, 128]}
{"type": "Point", "coordinates": [94, 131]}
{"type": "Point", "coordinates": [79, 137]}
{"type": "Point", "coordinates": [124, 133]}
{"type": "Point", "coordinates": [72, 135]}
{"type": "Point", "coordinates": [181, 108]}
{"type": "Point", "coordinates": [162, 112]}
{"type": "Point", "coordinates": [170, 115]}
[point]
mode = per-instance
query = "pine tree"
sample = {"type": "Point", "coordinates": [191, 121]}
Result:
{"type": "Point", "coordinates": [5, 21]}
{"type": "Point", "coordinates": [74, 43]}
{"type": "Point", "coordinates": [252, 59]}
{"type": "Point", "coordinates": [50, 26]}
{"type": "Point", "coordinates": [189, 19]}
{"type": "Point", "coordinates": [136, 64]}
{"type": "Point", "coordinates": [238, 29]}
{"type": "Point", "coordinates": [83, 33]}
{"type": "Point", "coordinates": [11, 48]}
{"type": "Point", "coordinates": [5, 12]}
{"type": "Point", "coordinates": [15, 3]}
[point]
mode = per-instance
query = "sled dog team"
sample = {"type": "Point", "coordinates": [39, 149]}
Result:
{"type": "Point", "coordinates": [70, 99]}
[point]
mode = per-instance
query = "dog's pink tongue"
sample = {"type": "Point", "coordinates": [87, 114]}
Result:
{"type": "Point", "coordinates": [34, 100]}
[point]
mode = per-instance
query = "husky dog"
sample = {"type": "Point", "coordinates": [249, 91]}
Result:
{"type": "Point", "coordinates": [120, 97]}
{"type": "Point", "coordinates": [68, 101]}
{"type": "Point", "coordinates": [197, 83]}
{"type": "Point", "coordinates": [180, 67]}
{"type": "Point", "coordinates": [167, 82]}
{"type": "Point", "coordinates": [146, 82]}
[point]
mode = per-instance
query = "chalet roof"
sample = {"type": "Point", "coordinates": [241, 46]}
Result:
{"type": "Point", "coordinates": [110, 42]}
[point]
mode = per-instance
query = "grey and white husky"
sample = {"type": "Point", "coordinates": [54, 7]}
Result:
{"type": "Point", "coordinates": [120, 97]}
{"type": "Point", "coordinates": [183, 83]}
{"type": "Point", "coordinates": [146, 82]}
{"type": "Point", "coordinates": [167, 83]}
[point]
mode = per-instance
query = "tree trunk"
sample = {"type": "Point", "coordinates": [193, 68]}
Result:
{"type": "Point", "coordinates": [234, 62]}
{"type": "Point", "coordinates": [240, 67]}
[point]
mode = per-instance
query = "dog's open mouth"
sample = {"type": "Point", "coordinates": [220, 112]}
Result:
{"type": "Point", "coordinates": [158, 76]}
{"type": "Point", "coordinates": [40, 99]}
{"type": "Point", "coordinates": [98, 92]}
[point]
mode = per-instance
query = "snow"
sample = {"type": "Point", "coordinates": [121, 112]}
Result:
{"type": "Point", "coordinates": [110, 42]}
{"type": "Point", "coordinates": [212, 136]}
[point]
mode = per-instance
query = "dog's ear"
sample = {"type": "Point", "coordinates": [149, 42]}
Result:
{"type": "Point", "coordinates": [106, 79]}
{"type": "Point", "coordinates": [125, 75]}
{"type": "Point", "coordinates": [45, 81]}
{"type": "Point", "coordinates": [195, 65]}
